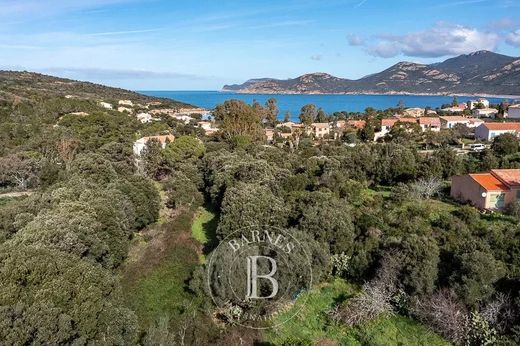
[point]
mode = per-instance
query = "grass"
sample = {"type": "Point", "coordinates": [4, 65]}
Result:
{"type": "Point", "coordinates": [155, 285]}
{"type": "Point", "coordinates": [312, 324]}
{"type": "Point", "coordinates": [203, 225]}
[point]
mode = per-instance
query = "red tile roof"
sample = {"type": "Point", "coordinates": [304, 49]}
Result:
{"type": "Point", "coordinates": [511, 177]}
{"type": "Point", "coordinates": [358, 124]}
{"type": "Point", "coordinates": [455, 118]}
{"type": "Point", "coordinates": [488, 182]}
{"type": "Point", "coordinates": [503, 126]}
{"type": "Point", "coordinates": [430, 121]}
{"type": "Point", "coordinates": [391, 122]}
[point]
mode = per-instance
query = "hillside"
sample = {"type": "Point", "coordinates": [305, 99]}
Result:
{"type": "Point", "coordinates": [482, 72]}
{"type": "Point", "coordinates": [30, 85]}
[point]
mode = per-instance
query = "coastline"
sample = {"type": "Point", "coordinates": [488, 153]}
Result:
{"type": "Point", "coordinates": [392, 93]}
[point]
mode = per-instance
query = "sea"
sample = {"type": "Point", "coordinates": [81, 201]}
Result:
{"type": "Point", "coordinates": [329, 103]}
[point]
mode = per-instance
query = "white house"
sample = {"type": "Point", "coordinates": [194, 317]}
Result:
{"type": "Point", "coordinates": [514, 111]}
{"type": "Point", "coordinates": [126, 103]}
{"type": "Point", "coordinates": [144, 117]}
{"type": "Point", "coordinates": [320, 130]}
{"type": "Point", "coordinates": [450, 122]}
{"type": "Point", "coordinates": [472, 104]}
{"type": "Point", "coordinates": [488, 131]}
{"type": "Point", "coordinates": [140, 144]}
{"type": "Point", "coordinates": [430, 124]}
{"type": "Point", "coordinates": [125, 109]}
{"type": "Point", "coordinates": [106, 105]}
{"type": "Point", "coordinates": [485, 112]}
{"type": "Point", "coordinates": [209, 127]}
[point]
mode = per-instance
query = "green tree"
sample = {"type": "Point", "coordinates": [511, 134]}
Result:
{"type": "Point", "coordinates": [236, 118]}
{"type": "Point", "coordinates": [184, 148]}
{"type": "Point", "coordinates": [308, 114]}
{"type": "Point", "coordinates": [272, 111]}
{"type": "Point", "coordinates": [505, 144]}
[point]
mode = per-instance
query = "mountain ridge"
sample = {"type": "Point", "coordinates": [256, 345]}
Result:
{"type": "Point", "coordinates": [481, 72]}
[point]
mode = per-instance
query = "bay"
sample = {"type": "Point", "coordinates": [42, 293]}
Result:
{"type": "Point", "coordinates": [329, 103]}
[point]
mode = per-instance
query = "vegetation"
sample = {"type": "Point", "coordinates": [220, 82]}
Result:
{"type": "Point", "coordinates": [85, 259]}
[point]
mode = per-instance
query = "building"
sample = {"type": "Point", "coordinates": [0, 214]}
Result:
{"type": "Point", "coordinates": [209, 127]}
{"type": "Point", "coordinates": [106, 105]}
{"type": "Point", "coordinates": [455, 109]}
{"type": "Point", "coordinates": [487, 191]}
{"type": "Point", "coordinates": [430, 124]}
{"type": "Point", "coordinates": [269, 134]}
{"type": "Point", "coordinates": [320, 130]}
{"type": "Point", "coordinates": [449, 122]}
{"type": "Point", "coordinates": [125, 109]}
{"type": "Point", "coordinates": [485, 112]}
{"type": "Point", "coordinates": [472, 104]}
{"type": "Point", "coordinates": [126, 103]}
{"type": "Point", "coordinates": [387, 124]}
{"type": "Point", "coordinates": [140, 144]}
{"type": "Point", "coordinates": [488, 131]}
{"type": "Point", "coordinates": [357, 124]}
{"type": "Point", "coordinates": [414, 112]}
{"type": "Point", "coordinates": [144, 117]}
{"type": "Point", "coordinates": [514, 111]}
{"type": "Point", "coordinates": [474, 122]}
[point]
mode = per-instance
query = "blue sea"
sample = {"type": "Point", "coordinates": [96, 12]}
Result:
{"type": "Point", "coordinates": [293, 103]}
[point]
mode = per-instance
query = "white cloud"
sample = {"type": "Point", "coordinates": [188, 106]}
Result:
{"type": "Point", "coordinates": [119, 74]}
{"type": "Point", "coordinates": [441, 40]}
{"type": "Point", "coordinates": [355, 40]}
{"type": "Point", "coordinates": [513, 38]}
{"type": "Point", "coordinates": [316, 57]}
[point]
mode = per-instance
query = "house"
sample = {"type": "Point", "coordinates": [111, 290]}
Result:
{"type": "Point", "coordinates": [184, 118]}
{"type": "Point", "coordinates": [474, 122]}
{"type": "Point", "coordinates": [488, 131]}
{"type": "Point", "coordinates": [455, 109]}
{"type": "Point", "coordinates": [357, 124]}
{"type": "Point", "coordinates": [126, 103]}
{"type": "Point", "coordinates": [269, 133]}
{"type": "Point", "coordinates": [414, 112]}
{"type": "Point", "coordinates": [106, 105]}
{"type": "Point", "coordinates": [487, 191]}
{"type": "Point", "coordinates": [514, 111]}
{"type": "Point", "coordinates": [485, 112]}
{"type": "Point", "coordinates": [144, 117]}
{"type": "Point", "coordinates": [320, 130]}
{"type": "Point", "coordinates": [449, 122]}
{"type": "Point", "coordinates": [209, 127]}
{"type": "Point", "coordinates": [472, 104]}
{"type": "Point", "coordinates": [430, 124]}
{"type": "Point", "coordinates": [125, 109]}
{"type": "Point", "coordinates": [140, 144]}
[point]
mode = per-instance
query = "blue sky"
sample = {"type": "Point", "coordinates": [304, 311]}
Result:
{"type": "Point", "coordinates": [184, 45]}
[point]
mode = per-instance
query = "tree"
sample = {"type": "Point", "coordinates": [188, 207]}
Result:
{"type": "Point", "coordinates": [321, 117]}
{"type": "Point", "coordinates": [236, 118]}
{"type": "Point", "coordinates": [246, 205]}
{"type": "Point", "coordinates": [184, 148]}
{"type": "Point", "coordinates": [505, 144]}
{"type": "Point", "coordinates": [153, 160]}
{"type": "Point", "coordinates": [287, 117]}
{"type": "Point", "coordinates": [49, 297]}
{"type": "Point", "coordinates": [272, 111]}
{"type": "Point", "coordinates": [308, 114]}
{"type": "Point", "coordinates": [19, 170]}
{"type": "Point", "coordinates": [455, 102]}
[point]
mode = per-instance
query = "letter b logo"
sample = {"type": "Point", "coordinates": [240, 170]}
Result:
{"type": "Point", "coordinates": [253, 276]}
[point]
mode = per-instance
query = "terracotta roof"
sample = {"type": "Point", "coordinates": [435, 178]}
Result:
{"type": "Point", "coordinates": [503, 126]}
{"type": "Point", "coordinates": [391, 122]}
{"type": "Point", "coordinates": [488, 182]}
{"type": "Point", "coordinates": [430, 121]}
{"type": "Point", "coordinates": [454, 118]}
{"type": "Point", "coordinates": [511, 177]}
{"type": "Point", "coordinates": [515, 106]}
{"type": "Point", "coordinates": [359, 124]}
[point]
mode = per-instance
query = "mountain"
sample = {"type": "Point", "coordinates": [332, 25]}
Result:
{"type": "Point", "coordinates": [28, 85]}
{"type": "Point", "coordinates": [481, 72]}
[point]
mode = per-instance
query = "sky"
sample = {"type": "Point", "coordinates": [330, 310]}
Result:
{"type": "Point", "coordinates": [204, 44]}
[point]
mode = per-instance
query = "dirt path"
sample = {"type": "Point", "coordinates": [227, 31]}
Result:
{"type": "Point", "coordinates": [16, 194]}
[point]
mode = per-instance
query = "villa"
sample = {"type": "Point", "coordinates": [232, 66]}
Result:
{"type": "Point", "coordinates": [488, 131]}
{"type": "Point", "coordinates": [140, 144]}
{"type": "Point", "coordinates": [514, 111]}
{"type": "Point", "coordinates": [487, 191]}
